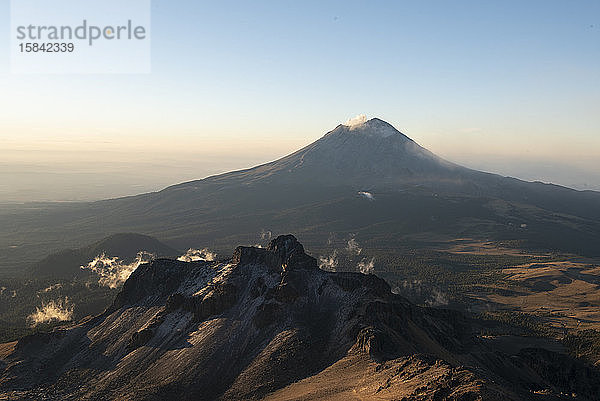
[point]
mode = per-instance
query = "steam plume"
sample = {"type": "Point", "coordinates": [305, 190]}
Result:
{"type": "Point", "coordinates": [60, 311]}
{"type": "Point", "coordinates": [112, 272]}
{"type": "Point", "coordinates": [366, 267]}
{"type": "Point", "coordinates": [329, 263]}
{"type": "Point", "coordinates": [194, 255]}
{"type": "Point", "coordinates": [353, 248]}
{"type": "Point", "coordinates": [420, 293]}
{"type": "Point", "coordinates": [358, 120]}
{"type": "Point", "coordinates": [367, 195]}
{"type": "Point", "coordinates": [53, 287]}
{"type": "Point", "coordinates": [266, 235]}
{"type": "Point", "coordinates": [346, 256]}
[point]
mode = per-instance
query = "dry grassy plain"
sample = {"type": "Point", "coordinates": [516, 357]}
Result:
{"type": "Point", "coordinates": [563, 291]}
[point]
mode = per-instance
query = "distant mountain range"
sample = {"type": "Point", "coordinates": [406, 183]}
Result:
{"type": "Point", "coordinates": [367, 179]}
{"type": "Point", "coordinates": [268, 324]}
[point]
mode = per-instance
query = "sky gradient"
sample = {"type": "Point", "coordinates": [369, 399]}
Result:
{"type": "Point", "coordinates": [511, 87]}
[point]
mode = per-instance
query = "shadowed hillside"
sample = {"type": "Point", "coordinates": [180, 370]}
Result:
{"type": "Point", "coordinates": [266, 319]}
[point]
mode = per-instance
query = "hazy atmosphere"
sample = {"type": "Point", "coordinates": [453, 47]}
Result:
{"type": "Point", "coordinates": [279, 200]}
{"type": "Point", "coordinates": [509, 89]}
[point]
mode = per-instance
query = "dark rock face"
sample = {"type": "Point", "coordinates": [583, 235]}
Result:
{"type": "Point", "coordinates": [282, 252]}
{"type": "Point", "coordinates": [156, 280]}
{"type": "Point", "coordinates": [244, 328]}
{"type": "Point", "coordinates": [375, 343]}
{"type": "Point", "coordinates": [290, 253]}
{"type": "Point", "coordinates": [222, 297]}
{"type": "Point", "coordinates": [140, 338]}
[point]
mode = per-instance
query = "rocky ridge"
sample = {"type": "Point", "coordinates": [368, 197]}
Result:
{"type": "Point", "coordinates": [269, 323]}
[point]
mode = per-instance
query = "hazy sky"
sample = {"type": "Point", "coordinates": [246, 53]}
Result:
{"type": "Point", "coordinates": [507, 86]}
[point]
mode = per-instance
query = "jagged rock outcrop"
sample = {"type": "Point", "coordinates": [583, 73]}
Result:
{"type": "Point", "coordinates": [269, 323]}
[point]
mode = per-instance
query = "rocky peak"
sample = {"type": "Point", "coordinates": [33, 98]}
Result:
{"type": "Point", "coordinates": [289, 252]}
{"type": "Point", "coordinates": [285, 245]}
{"type": "Point", "coordinates": [262, 323]}
{"type": "Point", "coordinates": [374, 128]}
{"type": "Point", "coordinates": [282, 253]}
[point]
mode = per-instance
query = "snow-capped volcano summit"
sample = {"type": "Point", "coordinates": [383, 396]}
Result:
{"type": "Point", "coordinates": [373, 127]}
{"type": "Point", "coordinates": [314, 191]}
{"type": "Point", "coordinates": [358, 120]}
{"type": "Point", "coordinates": [358, 153]}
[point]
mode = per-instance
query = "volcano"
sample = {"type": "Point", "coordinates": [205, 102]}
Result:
{"type": "Point", "coordinates": [367, 154]}
{"type": "Point", "coordinates": [320, 190]}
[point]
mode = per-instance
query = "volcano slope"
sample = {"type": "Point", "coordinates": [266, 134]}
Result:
{"type": "Point", "coordinates": [316, 191]}
{"type": "Point", "coordinates": [267, 323]}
